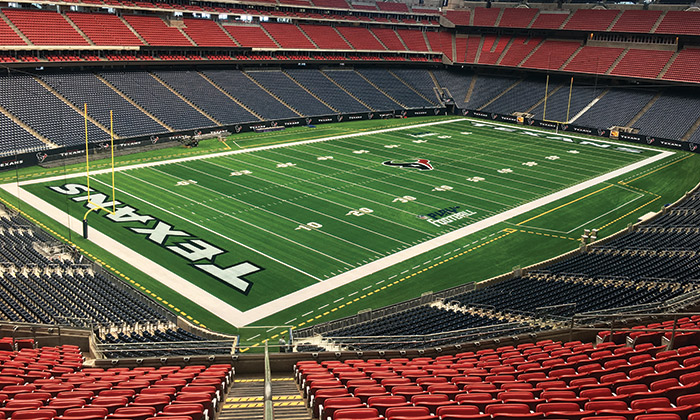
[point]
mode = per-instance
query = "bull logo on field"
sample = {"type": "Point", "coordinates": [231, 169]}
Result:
{"type": "Point", "coordinates": [420, 164]}
{"type": "Point", "coordinates": [650, 140]}
{"type": "Point", "coordinates": [41, 157]}
{"type": "Point", "coordinates": [238, 128]}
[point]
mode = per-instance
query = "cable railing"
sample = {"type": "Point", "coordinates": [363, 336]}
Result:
{"type": "Point", "coordinates": [385, 342]}
{"type": "Point", "coordinates": [171, 348]}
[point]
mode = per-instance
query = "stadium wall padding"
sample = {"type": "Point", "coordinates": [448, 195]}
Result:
{"type": "Point", "coordinates": [599, 132]}
{"type": "Point", "coordinates": [101, 149]}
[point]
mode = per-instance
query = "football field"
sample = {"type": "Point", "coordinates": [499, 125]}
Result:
{"type": "Point", "coordinates": [246, 233]}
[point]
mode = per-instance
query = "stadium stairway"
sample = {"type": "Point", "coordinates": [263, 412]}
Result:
{"type": "Point", "coordinates": [531, 53]}
{"type": "Point", "coordinates": [343, 37]}
{"type": "Point", "coordinates": [241, 104]}
{"type": "Point", "coordinates": [270, 36]}
{"type": "Point", "coordinates": [495, 98]}
{"type": "Point", "coordinates": [132, 102]}
{"type": "Point", "coordinates": [252, 79]}
{"type": "Point", "coordinates": [379, 89]}
{"type": "Point", "coordinates": [131, 28]}
{"type": "Point", "coordinates": [541, 101]}
{"type": "Point", "coordinates": [70, 104]}
{"type": "Point", "coordinates": [180, 25]}
{"type": "Point", "coordinates": [245, 400]}
{"type": "Point", "coordinates": [435, 80]}
{"type": "Point", "coordinates": [78, 30]}
{"type": "Point", "coordinates": [691, 130]}
{"type": "Point", "coordinates": [308, 37]}
{"type": "Point", "coordinates": [27, 128]}
{"type": "Point", "coordinates": [411, 87]}
{"type": "Point", "coordinates": [669, 64]}
{"type": "Point", "coordinates": [185, 100]}
{"type": "Point", "coordinates": [470, 91]}
{"type": "Point", "coordinates": [16, 29]}
{"type": "Point", "coordinates": [644, 110]}
{"type": "Point", "coordinates": [505, 50]}
{"type": "Point", "coordinates": [345, 90]}
{"type": "Point", "coordinates": [308, 91]}
{"type": "Point", "coordinates": [571, 57]}
{"type": "Point", "coordinates": [617, 61]}
{"type": "Point", "coordinates": [227, 33]}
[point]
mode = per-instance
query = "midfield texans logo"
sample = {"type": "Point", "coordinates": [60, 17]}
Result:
{"type": "Point", "coordinates": [420, 164]}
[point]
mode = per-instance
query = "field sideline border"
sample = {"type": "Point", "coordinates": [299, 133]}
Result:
{"type": "Point", "coordinates": [239, 318]}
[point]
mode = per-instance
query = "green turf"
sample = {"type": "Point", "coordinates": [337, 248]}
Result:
{"type": "Point", "coordinates": [265, 208]}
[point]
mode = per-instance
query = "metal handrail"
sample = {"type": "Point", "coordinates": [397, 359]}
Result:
{"type": "Point", "coordinates": [267, 395]}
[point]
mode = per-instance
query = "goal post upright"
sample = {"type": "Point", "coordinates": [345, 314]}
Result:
{"type": "Point", "coordinates": [96, 206]}
{"type": "Point", "coordinates": [568, 105]}
{"type": "Point", "coordinates": [546, 92]}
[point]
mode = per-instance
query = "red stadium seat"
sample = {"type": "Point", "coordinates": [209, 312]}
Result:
{"type": "Point", "coordinates": [356, 414]}
{"type": "Point", "coordinates": [337, 403]}
{"type": "Point", "coordinates": [507, 408]}
{"type": "Point", "coordinates": [157, 401]}
{"type": "Point", "coordinates": [407, 412]}
{"type": "Point", "coordinates": [85, 413]}
{"type": "Point", "coordinates": [456, 410]}
{"type": "Point", "coordinates": [382, 403]}
{"type": "Point", "coordinates": [647, 403]}
{"type": "Point", "coordinates": [431, 401]}
{"type": "Point", "coordinates": [40, 414]}
{"type": "Point", "coordinates": [670, 416]}
{"type": "Point", "coordinates": [196, 411]}
{"type": "Point", "coordinates": [132, 413]}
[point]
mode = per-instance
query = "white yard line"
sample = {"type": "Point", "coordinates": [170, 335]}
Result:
{"type": "Point", "coordinates": [239, 318]}
{"type": "Point", "coordinates": [639, 195]}
{"type": "Point", "coordinates": [235, 152]}
{"type": "Point", "coordinates": [314, 290]}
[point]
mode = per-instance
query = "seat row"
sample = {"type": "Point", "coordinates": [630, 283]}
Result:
{"type": "Point", "coordinates": [116, 393]}
{"type": "Point", "coordinates": [534, 380]}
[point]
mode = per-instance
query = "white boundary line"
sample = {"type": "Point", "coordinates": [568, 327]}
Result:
{"type": "Point", "coordinates": [235, 152]}
{"type": "Point", "coordinates": [639, 195]}
{"type": "Point", "coordinates": [239, 318]}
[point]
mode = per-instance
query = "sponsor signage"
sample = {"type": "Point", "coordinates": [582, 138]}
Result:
{"type": "Point", "coordinates": [446, 216]}
{"type": "Point", "coordinates": [636, 138]}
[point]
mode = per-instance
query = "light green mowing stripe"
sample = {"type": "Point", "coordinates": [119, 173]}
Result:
{"type": "Point", "coordinates": [251, 208]}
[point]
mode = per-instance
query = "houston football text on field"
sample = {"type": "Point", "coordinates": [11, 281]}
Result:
{"type": "Point", "coordinates": [253, 227]}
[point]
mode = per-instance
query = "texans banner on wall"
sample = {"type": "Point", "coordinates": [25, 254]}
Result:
{"type": "Point", "coordinates": [635, 138]}
{"type": "Point", "coordinates": [136, 143]}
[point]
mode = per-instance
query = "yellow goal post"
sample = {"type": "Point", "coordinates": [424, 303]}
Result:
{"type": "Point", "coordinates": [90, 203]}
{"type": "Point", "coordinates": [568, 104]}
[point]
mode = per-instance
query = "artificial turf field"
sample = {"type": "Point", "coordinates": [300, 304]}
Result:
{"type": "Point", "coordinates": [300, 234]}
